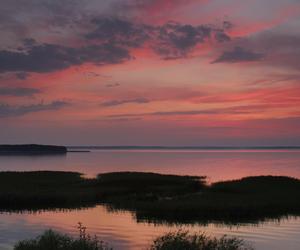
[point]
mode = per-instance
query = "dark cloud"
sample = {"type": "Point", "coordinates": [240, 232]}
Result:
{"type": "Point", "coordinates": [18, 91]}
{"type": "Point", "coordinates": [146, 4]}
{"type": "Point", "coordinates": [108, 43]}
{"type": "Point", "coordinates": [171, 40]}
{"type": "Point", "coordinates": [12, 111]}
{"type": "Point", "coordinates": [274, 47]}
{"type": "Point", "coordinates": [104, 37]}
{"type": "Point", "coordinates": [49, 57]}
{"type": "Point", "coordinates": [282, 49]}
{"type": "Point", "coordinates": [176, 40]}
{"type": "Point", "coordinates": [239, 54]}
{"type": "Point", "coordinates": [121, 102]}
{"type": "Point", "coordinates": [183, 36]}
{"type": "Point", "coordinates": [222, 37]}
{"type": "Point", "coordinates": [119, 32]}
{"type": "Point", "coordinates": [35, 18]}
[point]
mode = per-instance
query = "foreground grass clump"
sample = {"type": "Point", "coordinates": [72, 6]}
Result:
{"type": "Point", "coordinates": [51, 240]}
{"type": "Point", "coordinates": [180, 240]}
{"type": "Point", "coordinates": [184, 240]}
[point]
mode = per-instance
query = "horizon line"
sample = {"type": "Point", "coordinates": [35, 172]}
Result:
{"type": "Point", "coordinates": [181, 147]}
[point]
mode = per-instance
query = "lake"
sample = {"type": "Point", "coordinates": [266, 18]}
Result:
{"type": "Point", "coordinates": [121, 229]}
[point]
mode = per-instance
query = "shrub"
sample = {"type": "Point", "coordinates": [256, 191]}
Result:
{"type": "Point", "coordinates": [51, 240]}
{"type": "Point", "coordinates": [184, 240]}
{"type": "Point", "coordinates": [180, 240]}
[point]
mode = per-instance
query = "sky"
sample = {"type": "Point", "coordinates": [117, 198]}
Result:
{"type": "Point", "coordinates": [150, 72]}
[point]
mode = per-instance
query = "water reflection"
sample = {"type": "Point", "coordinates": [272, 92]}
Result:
{"type": "Point", "coordinates": [122, 232]}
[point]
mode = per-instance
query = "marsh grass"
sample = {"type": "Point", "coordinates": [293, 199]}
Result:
{"type": "Point", "coordinates": [138, 185]}
{"type": "Point", "coordinates": [58, 189]}
{"type": "Point", "coordinates": [154, 197]}
{"type": "Point", "coordinates": [246, 200]}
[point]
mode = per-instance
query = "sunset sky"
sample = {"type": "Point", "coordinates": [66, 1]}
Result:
{"type": "Point", "coordinates": [150, 72]}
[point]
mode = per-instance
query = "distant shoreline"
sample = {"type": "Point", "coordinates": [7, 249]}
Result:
{"type": "Point", "coordinates": [31, 149]}
{"type": "Point", "coordinates": [38, 149]}
{"type": "Point", "coordinates": [71, 148]}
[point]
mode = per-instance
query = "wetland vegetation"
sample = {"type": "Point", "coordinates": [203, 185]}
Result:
{"type": "Point", "coordinates": [154, 197]}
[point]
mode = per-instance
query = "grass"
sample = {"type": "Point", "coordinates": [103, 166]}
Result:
{"type": "Point", "coordinates": [184, 240]}
{"type": "Point", "coordinates": [178, 240]}
{"type": "Point", "coordinates": [51, 240]}
{"type": "Point", "coordinates": [155, 197]}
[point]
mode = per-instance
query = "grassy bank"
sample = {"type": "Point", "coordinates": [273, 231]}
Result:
{"type": "Point", "coordinates": [179, 240]}
{"type": "Point", "coordinates": [154, 197]}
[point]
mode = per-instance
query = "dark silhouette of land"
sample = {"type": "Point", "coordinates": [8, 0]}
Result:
{"type": "Point", "coordinates": [28, 149]}
{"type": "Point", "coordinates": [154, 197]}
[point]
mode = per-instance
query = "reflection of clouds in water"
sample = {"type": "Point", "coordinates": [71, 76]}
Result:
{"type": "Point", "coordinates": [14, 228]}
{"type": "Point", "coordinates": [18, 226]}
{"type": "Point", "coordinates": [121, 231]}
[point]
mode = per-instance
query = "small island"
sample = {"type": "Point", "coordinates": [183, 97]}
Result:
{"type": "Point", "coordinates": [32, 149]}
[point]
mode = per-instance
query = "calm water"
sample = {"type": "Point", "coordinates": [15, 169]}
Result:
{"type": "Point", "coordinates": [121, 229]}
{"type": "Point", "coordinates": [216, 165]}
